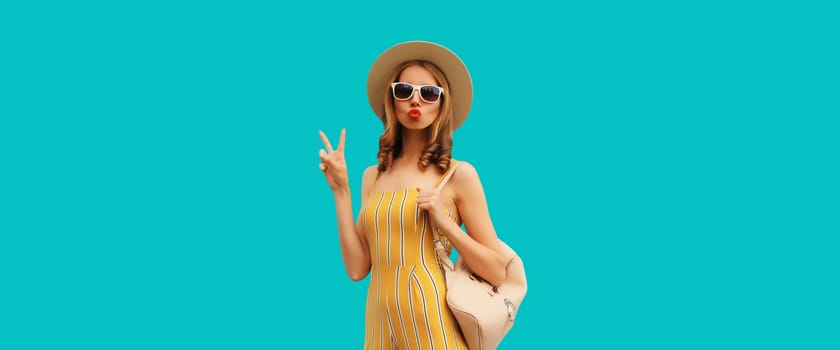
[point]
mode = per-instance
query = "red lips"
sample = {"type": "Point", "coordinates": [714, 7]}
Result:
{"type": "Point", "coordinates": [414, 113]}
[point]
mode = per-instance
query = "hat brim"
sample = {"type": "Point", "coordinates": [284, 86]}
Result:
{"type": "Point", "coordinates": [460, 84]}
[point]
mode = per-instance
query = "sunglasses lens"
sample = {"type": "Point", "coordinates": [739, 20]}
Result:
{"type": "Point", "coordinates": [430, 93]}
{"type": "Point", "coordinates": [403, 91]}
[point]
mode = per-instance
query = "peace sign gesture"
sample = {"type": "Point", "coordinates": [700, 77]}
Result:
{"type": "Point", "coordinates": [333, 164]}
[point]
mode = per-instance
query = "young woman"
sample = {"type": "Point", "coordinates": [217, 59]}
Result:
{"type": "Point", "coordinates": [422, 92]}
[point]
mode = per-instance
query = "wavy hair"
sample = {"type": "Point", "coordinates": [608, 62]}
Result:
{"type": "Point", "coordinates": [438, 149]}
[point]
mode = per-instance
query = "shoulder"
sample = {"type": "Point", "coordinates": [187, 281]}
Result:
{"type": "Point", "coordinates": [465, 173]}
{"type": "Point", "coordinates": [370, 172]}
{"type": "Point", "coordinates": [368, 179]}
{"type": "Point", "coordinates": [369, 176]}
{"type": "Point", "coordinates": [466, 184]}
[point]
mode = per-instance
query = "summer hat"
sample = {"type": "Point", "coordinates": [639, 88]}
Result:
{"type": "Point", "coordinates": [460, 84]}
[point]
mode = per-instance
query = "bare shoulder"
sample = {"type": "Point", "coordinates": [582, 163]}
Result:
{"type": "Point", "coordinates": [469, 192]}
{"type": "Point", "coordinates": [465, 175]}
{"type": "Point", "coordinates": [368, 178]}
{"type": "Point", "coordinates": [370, 173]}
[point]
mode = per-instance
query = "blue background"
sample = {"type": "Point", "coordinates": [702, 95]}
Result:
{"type": "Point", "coordinates": [666, 170]}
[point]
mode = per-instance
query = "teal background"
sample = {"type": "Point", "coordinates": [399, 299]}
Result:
{"type": "Point", "coordinates": [666, 170]}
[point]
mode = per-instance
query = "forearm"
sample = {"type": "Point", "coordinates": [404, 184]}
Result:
{"type": "Point", "coordinates": [354, 253]}
{"type": "Point", "coordinates": [486, 262]}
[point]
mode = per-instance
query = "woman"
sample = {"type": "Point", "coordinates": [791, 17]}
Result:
{"type": "Point", "coordinates": [422, 92]}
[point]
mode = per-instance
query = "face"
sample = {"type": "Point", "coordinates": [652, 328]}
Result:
{"type": "Point", "coordinates": [415, 113]}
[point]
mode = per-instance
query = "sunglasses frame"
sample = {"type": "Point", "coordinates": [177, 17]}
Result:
{"type": "Point", "coordinates": [415, 89]}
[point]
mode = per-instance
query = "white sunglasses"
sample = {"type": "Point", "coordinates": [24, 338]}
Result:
{"type": "Point", "coordinates": [428, 93]}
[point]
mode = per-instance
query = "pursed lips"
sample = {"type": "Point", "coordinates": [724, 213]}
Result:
{"type": "Point", "coordinates": [414, 113]}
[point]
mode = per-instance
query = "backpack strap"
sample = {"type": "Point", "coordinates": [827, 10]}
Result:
{"type": "Point", "coordinates": [439, 249]}
{"type": "Point", "coordinates": [447, 176]}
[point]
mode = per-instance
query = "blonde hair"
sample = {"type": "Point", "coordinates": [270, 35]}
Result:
{"type": "Point", "coordinates": [438, 149]}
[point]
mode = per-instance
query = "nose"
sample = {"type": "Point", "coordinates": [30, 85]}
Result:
{"type": "Point", "coordinates": [415, 98]}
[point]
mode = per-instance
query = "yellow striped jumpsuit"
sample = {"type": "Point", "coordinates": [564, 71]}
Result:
{"type": "Point", "coordinates": [406, 300]}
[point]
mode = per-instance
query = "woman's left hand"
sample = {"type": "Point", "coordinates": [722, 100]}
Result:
{"type": "Point", "coordinates": [429, 201]}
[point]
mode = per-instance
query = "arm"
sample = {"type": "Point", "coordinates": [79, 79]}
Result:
{"type": "Point", "coordinates": [354, 249]}
{"type": "Point", "coordinates": [480, 249]}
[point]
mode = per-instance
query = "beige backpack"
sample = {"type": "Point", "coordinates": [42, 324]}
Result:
{"type": "Point", "coordinates": [484, 312]}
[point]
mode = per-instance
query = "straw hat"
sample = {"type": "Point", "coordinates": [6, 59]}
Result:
{"type": "Point", "coordinates": [460, 84]}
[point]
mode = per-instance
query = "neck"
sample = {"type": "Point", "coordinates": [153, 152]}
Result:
{"type": "Point", "coordinates": [413, 143]}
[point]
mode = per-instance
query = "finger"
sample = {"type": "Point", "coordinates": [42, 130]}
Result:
{"type": "Point", "coordinates": [322, 166]}
{"type": "Point", "coordinates": [322, 154]}
{"type": "Point", "coordinates": [341, 140]}
{"type": "Point", "coordinates": [326, 141]}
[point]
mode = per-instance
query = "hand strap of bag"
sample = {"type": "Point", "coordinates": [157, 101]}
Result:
{"type": "Point", "coordinates": [439, 249]}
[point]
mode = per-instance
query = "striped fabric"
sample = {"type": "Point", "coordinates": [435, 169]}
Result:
{"type": "Point", "coordinates": [406, 301]}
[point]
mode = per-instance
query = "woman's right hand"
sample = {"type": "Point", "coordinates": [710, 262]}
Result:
{"type": "Point", "coordinates": [333, 164]}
